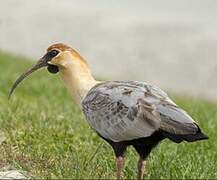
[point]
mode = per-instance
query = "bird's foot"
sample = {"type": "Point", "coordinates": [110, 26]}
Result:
{"type": "Point", "coordinates": [141, 168]}
{"type": "Point", "coordinates": [120, 166]}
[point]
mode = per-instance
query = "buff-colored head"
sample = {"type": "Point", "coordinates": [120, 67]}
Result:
{"type": "Point", "coordinates": [64, 56]}
{"type": "Point", "coordinates": [59, 57]}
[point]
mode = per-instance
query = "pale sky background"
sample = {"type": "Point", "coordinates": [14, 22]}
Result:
{"type": "Point", "coordinates": [170, 43]}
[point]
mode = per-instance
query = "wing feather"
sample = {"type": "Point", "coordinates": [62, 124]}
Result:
{"type": "Point", "coordinates": [129, 109]}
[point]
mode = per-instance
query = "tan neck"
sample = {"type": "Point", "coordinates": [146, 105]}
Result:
{"type": "Point", "coordinates": [78, 81]}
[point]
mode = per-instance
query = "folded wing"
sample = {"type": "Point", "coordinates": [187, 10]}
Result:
{"type": "Point", "coordinates": [129, 110]}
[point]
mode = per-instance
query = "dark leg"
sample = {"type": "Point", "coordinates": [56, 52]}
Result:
{"type": "Point", "coordinates": [119, 149]}
{"type": "Point", "coordinates": [143, 152]}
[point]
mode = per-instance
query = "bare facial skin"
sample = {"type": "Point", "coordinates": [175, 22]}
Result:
{"type": "Point", "coordinates": [43, 62]}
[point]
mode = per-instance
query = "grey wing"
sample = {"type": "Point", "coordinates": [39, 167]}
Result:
{"type": "Point", "coordinates": [128, 110]}
{"type": "Point", "coordinates": [173, 119]}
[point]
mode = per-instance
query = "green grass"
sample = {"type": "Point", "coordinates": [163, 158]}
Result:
{"type": "Point", "coordinates": [48, 137]}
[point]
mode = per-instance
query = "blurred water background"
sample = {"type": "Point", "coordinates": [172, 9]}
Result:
{"type": "Point", "coordinates": [170, 43]}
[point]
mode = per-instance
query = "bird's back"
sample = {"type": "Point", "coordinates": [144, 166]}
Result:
{"type": "Point", "coordinates": [127, 110]}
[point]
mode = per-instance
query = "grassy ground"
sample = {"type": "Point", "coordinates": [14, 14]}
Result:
{"type": "Point", "coordinates": [48, 137]}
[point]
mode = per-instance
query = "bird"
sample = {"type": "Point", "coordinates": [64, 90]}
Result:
{"type": "Point", "coordinates": [123, 113]}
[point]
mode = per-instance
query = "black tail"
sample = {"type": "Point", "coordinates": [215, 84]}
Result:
{"type": "Point", "coordinates": [188, 137]}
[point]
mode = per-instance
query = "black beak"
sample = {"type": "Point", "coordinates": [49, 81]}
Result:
{"type": "Point", "coordinates": [40, 64]}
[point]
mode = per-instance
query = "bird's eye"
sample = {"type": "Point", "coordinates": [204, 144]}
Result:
{"type": "Point", "coordinates": [53, 53]}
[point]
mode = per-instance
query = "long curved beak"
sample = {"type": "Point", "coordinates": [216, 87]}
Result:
{"type": "Point", "coordinates": [40, 64]}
